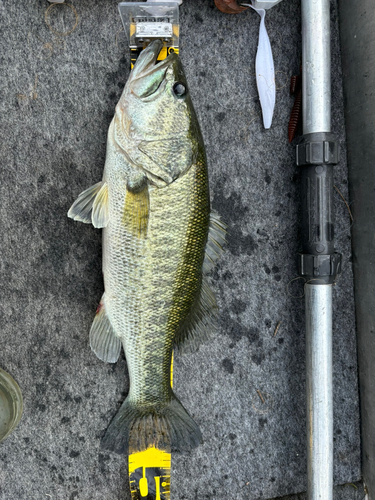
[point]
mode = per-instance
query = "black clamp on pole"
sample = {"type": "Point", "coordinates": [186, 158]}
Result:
{"type": "Point", "coordinates": [316, 155]}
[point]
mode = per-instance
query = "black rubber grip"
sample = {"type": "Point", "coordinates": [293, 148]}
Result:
{"type": "Point", "coordinates": [316, 155]}
{"type": "Point", "coordinates": [317, 209]}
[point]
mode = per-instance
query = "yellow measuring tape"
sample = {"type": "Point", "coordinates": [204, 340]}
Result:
{"type": "Point", "coordinates": [150, 474]}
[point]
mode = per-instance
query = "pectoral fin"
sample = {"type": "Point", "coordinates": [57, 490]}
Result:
{"type": "Point", "coordinates": [103, 340]}
{"type": "Point", "coordinates": [136, 207]}
{"type": "Point", "coordinates": [100, 207]}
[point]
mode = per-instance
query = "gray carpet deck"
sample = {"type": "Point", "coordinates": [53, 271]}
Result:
{"type": "Point", "coordinates": [57, 97]}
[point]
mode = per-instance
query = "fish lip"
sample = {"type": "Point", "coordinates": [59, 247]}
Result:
{"type": "Point", "coordinates": [154, 65]}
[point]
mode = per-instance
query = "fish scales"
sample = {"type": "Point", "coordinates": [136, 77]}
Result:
{"type": "Point", "coordinates": [159, 240]}
{"type": "Point", "coordinates": [151, 283]}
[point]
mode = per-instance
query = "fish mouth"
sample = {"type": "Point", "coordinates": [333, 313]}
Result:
{"type": "Point", "coordinates": [147, 62]}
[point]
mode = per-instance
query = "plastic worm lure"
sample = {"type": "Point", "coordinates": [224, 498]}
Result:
{"type": "Point", "coordinates": [296, 113]}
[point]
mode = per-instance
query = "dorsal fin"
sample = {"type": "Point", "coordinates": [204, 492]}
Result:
{"type": "Point", "coordinates": [215, 242]}
{"type": "Point", "coordinates": [200, 323]}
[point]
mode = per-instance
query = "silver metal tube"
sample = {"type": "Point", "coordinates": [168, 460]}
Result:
{"type": "Point", "coordinates": [316, 66]}
{"type": "Point", "coordinates": [318, 302]}
{"type": "Point", "coordinates": [316, 112]}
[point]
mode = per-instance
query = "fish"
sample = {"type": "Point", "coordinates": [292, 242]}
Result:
{"type": "Point", "coordinates": [160, 239]}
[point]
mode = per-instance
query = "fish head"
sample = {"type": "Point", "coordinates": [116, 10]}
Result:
{"type": "Point", "coordinates": [155, 122]}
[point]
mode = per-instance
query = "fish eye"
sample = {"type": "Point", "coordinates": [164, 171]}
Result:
{"type": "Point", "coordinates": [179, 89]}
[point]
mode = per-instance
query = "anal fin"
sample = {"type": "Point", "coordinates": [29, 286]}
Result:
{"type": "Point", "coordinates": [81, 209]}
{"type": "Point", "coordinates": [100, 207]}
{"type": "Point", "coordinates": [103, 340]}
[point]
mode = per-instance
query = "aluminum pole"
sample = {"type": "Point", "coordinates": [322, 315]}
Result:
{"type": "Point", "coordinates": [319, 391]}
{"type": "Point", "coordinates": [318, 262]}
{"type": "Point", "coordinates": [316, 66]}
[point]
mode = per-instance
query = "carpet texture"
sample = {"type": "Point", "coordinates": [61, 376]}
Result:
{"type": "Point", "coordinates": [246, 389]}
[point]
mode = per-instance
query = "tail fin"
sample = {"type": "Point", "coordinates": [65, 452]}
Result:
{"type": "Point", "coordinates": [138, 427]}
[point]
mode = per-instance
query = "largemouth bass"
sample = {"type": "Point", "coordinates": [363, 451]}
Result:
{"type": "Point", "coordinates": [159, 240]}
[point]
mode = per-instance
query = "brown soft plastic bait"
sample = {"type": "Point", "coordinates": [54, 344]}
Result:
{"type": "Point", "coordinates": [229, 6]}
{"type": "Point", "coordinates": [296, 114]}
